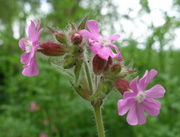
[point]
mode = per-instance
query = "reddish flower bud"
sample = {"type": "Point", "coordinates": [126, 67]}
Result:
{"type": "Point", "coordinates": [122, 85]}
{"type": "Point", "coordinates": [108, 65]}
{"type": "Point", "coordinates": [52, 49]}
{"type": "Point", "coordinates": [76, 38]}
{"type": "Point", "coordinates": [99, 65]}
{"type": "Point", "coordinates": [61, 37]}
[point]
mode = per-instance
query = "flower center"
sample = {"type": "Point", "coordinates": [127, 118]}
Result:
{"type": "Point", "coordinates": [140, 97]}
{"type": "Point", "coordinates": [28, 47]}
{"type": "Point", "coordinates": [105, 42]}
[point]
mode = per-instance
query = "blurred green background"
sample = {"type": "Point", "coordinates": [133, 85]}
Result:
{"type": "Point", "coordinates": [149, 40]}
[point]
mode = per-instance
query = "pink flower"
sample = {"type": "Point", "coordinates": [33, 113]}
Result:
{"type": "Point", "coordinates": [33, 107]}
{"type": "Point", "coordinates": [138, 100]}
{"type": "Point", "coordinates": [30, 45]}
{"type": "Point", "coordinates": [101, 45]}
{"type": "Point", "coordinates": [43, 135]}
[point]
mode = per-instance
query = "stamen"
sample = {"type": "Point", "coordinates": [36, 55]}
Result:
{"type": "Point", "coordinates": [28, 45]}
{"type": "Point", "coordinates": [105, 42]}
{"type": "Point", "coordinates": [140, 97]}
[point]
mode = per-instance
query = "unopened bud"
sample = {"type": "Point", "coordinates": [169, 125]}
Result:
{"type": "Point", "coordinates": [83, 91]}
{"type": "Point", "coordinates": [77, 50]}
{"type": "Point", "coordinates": [105, 87]}
{"type": "Point", "coordinates": [122, 85]}
{"type": "Point", "coordinates": [61, 37]}
{"type": "Point", "coordinates": [82, 24]}
{"type": "Point", "coordinates": [109, 63]}
{"type": "Point", "coordinates": [116, 68]}
{"type": "Point", "coordinates": [72, 27]}
{"type": "Point", "coordinates": [69, 62]}
{"type": "Point", "coordinates": [52, 49]}
{"type": "Point", "coordinates": [76, 38]}
{"type": "Point", "coordinates": [99, 65]}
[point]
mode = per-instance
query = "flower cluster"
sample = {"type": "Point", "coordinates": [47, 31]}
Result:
{"type": "Point", "coordinates": [94, 66]}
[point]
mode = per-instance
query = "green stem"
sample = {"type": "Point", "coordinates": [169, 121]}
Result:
{"type": "Point", "coordinates": [99, 121]}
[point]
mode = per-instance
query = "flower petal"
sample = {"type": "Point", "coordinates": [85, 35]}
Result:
{"type": "Point", "coordinates": [105, 52]}
{"type": "Point", "coordinates": [25, 58]}
{"type": "Point", "coordinates": [136, 115]}
{"type": "Point", "coordinates": [96, 47]}
{"type": "Point", "coordinates": [31, 69]}
{"type": "Point", "coordinates": [93, 26]}
{"type": "Point", "coordinates": [152, 106]}
{"type": "Point", "coordinates": [32, 30]}
{"type": "Point", "coordinates": [124, 105]}
{"type": "Point", "coordinates": [147, 78]}
{"type": "Point", "coordinates": [128, 94]}
{"type": "Point", "coordinates": [132, 117]}
{"type": "Point", "coordinates": [114, 37]}
{"type": "Point", "coordinates": [88, 35]}
{"type": "Point", "coordinates": [39, 33]}
{"type": "Point", "coordinates": [38, 27]}
{"type": "Point", "coordinates": [140, 114]}
{"type": "Point", "coordinates": [117, 54]}
{"type": "Point", "coordinates": [155, 92]}
{"type": "Point", "coordinates": [134, 85]}
{"type": "Point", "coordinates": [22, 43]}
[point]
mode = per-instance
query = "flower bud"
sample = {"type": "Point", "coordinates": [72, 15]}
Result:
{"type": "Point", "coordinates": [122, 85]}
{"type": "Point", "coordinates": [82, 24]}
{"type": "Point", "coordinates": [69, 62]}
{"type": "Point", "coordinates": [116, 68]}
{"type": "Point", "coordinates": [83, 91]}
{"type": "Point", "coordinates": [109, 63]}
{"type": "Point", "coordinates": [61, 37]}
{"type": "Point", "coordinates": [76, 38]}
{"type": "Point", "coordinates": [52, 49]}
{"type": "Point", "coordinates": [77, 50]}
{"type": "Point", "coordinates": [105, 87]}
{"type": "Point", "coordinates": [99, 65]}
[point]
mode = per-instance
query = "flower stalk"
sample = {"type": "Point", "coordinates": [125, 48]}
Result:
{"type": "Point", "coordinates": [99, 120]}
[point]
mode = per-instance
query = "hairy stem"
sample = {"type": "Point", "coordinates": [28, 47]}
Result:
{"type": "Point", "coordinates": [99, 121]}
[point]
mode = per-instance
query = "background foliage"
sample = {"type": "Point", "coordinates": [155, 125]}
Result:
{"type": "Point", "coordinates": [61, 113]}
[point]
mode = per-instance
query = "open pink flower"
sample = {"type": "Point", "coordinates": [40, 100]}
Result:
{"type": "Point", "coordinates": [43, 135]}
{"type": "Point", "coordinates": [33, 107]}
{"type": "Point", "coordinates": [30, 45]}
{"type": "Point", "coordinates": [138, 100]}
{"type": "Point", "coordinates": [101, 45]}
